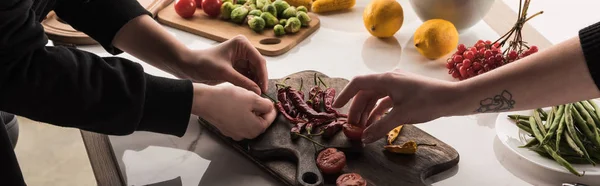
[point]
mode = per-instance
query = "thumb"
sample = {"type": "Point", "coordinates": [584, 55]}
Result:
{"type": "Point", "coordinates": [238, 79]}
{"type": "Point", "coordinates": [380, 128]}
{"type": "Point", "coordinates": [262, 105]}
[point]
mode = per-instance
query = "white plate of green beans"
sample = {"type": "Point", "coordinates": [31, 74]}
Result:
{"type": "Point", "coordinates": [534, 135]}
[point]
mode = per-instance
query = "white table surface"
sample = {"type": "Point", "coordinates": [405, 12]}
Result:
{"type": "Point", "coordinates": [346, 50]}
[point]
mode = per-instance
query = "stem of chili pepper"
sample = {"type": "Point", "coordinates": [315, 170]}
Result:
{"type": "Point", "coordinates": [320, 80]}
{"type": "Point", "coordinates": [426, 144]}
{"type": "Point", "coordinates": [310, 139]}
{"type": "Point", "coordinates": [275, 101]}
{"type": "Point", "coordinates": [318, 134]}
{"type": "Point", "coordinates": [301, 84]}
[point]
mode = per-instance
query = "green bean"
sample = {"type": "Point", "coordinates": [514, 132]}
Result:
{"type": "Point", "coordinates": [561, 125]}
{"type": "Point", "coordinates": [524, 127]}
{"type": "Point", "coordinates": [590, 110]}
{"type": "Point", "coordinates": [538, 122]}
{"type": "Point", "coordinates": [596, 135]}
{"type": "Point", "coordinates": [532, 142]}
{"type": "Point", "coordinates": [585, 114]}
{"type": "Point", "coordinates": [543, 113]}
{"type": "Point", "coordinates": [572, 144]}
{"type": "Point", "coordinates": [583, 127]}
{"type": "Point", "coordinates": [523, 121]}
{"type": "Point", "coordinates": [555, 123]}
{"type": "Point", "coordinates": [562, 161]}
{"type": "Point", "coordinates": [573, 133]}
{"type": "Point", "coordinates": [535, 128]}
{"type": "Point", "coordinates": [550, 117]}
{"type": "Point", "coordinates": [517, 116]}
{"type": "Point", "coordinates": [596, 108]}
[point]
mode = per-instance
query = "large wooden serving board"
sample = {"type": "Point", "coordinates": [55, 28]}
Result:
{"type": "Point", "coordinates": [61, 32]}
{"type": "Point", "coordinates": [221, 30]}
{"type": "Point", "coordinates": [287, 160]}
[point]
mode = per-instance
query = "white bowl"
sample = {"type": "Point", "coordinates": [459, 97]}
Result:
{"type": "Point", "coordinates": [462, 13]}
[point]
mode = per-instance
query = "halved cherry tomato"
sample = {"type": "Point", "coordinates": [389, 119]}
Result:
{"type": "Point", "coordinates": [199, 3]}
{"type": "Point", "coordinates": [185, 8]}
{"type": "Point", "coordinates": [353, 132]}
{"type": "Point", "coordinates": [212, 8]}
{"type": "Point", "coordinates": [331, 161]}
{"type": "Point", "coordinates": [350, 179]}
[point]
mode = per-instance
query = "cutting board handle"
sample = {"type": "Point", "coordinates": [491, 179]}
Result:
{"type": "Point", "coordinates": [308, 173]}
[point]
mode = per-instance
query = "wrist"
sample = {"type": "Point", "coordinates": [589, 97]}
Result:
{"type": "Point", "coordinates": [455, 99]}
{"type": "Point", "coordinates": [200, 94]}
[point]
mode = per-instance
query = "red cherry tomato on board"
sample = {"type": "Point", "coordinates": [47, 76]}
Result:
{"type": "Point", "coordinates": [185, 8]}
{"type": "Point", "coordinates": [331, 161]}
{"type": "Point", "coordinates": [199, 3]}
{"type": "Point", "coordinates": [350, 179]}
{"type": "Point", "coordinates": [353, 132]}
{"type": "Point", "coordinates": [212, 8]}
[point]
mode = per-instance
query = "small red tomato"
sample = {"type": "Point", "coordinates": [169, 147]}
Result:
{"type": "Point", "coordinates": [212, 8]}
{"type": "Point", "coordinates": [350, 179]}
{"type": "Point", "coordinates": [199, 3]}
{"type": "Point", "coordinates": [185, 8]}
{"type": "Point", "coordinates": [331, 161]}
{"type": "Point", "coordinates": [353, 132]}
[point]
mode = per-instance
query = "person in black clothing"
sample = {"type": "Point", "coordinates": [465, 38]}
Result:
{"type": "Point", "coordinates": [564, 73]}
{"type": "Point", "coordinates": [111, 95]}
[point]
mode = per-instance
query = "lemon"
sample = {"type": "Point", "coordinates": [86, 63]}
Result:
{"type": "Point", "coordinates": [383, 18]}
{"type": "Point", "coordinates": [436, 38]}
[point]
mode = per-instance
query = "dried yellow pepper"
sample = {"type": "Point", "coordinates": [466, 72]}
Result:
{"type": "Point", "coordinates": [409, 147]}
{"type": "Point", "coordinates": [393, 134]}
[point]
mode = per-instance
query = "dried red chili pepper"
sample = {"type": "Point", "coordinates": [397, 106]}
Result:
{"type": "Point", "coordinates": [297, 129]}
{"type": "Point", "coordinates": [328, 102]}
{"type": "Point", "coordinates": [286, 115]}
{"type": "Point", "coordinates": [332, 128]}
{"type": "Point", "coordinates": [297, 101]}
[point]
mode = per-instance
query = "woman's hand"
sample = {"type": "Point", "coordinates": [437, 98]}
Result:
{"type": "Point", "coordinates": [235, 61]}
{"type": "Point", "coordinates": [237, 113]}
{"type": "Point", "coordinates": [414, 99]}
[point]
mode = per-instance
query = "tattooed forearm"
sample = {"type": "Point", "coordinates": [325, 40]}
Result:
{"type": "Point", "coordinates": [497, 103]}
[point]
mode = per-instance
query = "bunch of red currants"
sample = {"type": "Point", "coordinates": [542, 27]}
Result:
{"type": "Point", "coordinates": [482, 57]}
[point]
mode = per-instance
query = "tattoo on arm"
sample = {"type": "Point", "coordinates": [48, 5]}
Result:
{"type": "Point", "coordinates": [498, 103]}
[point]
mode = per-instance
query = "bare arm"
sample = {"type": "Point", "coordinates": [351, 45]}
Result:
{"type": "Point", "coordinates": [554, 76]}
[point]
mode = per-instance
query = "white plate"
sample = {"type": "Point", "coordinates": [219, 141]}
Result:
{"type": "Point", "coordinates": [513, 137]}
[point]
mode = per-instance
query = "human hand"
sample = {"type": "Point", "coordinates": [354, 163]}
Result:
{"type": "Point", "coordinates": [414, 99]}
{"type": "Point", "coordinates": [235, 61]}
{"type": "Point", "coordinates": [237, 113]}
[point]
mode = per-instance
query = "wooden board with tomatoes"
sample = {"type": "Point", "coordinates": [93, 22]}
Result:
{"type": "Point", "coordinates": [271, 33]}
{"type": "Point", "coordinates": [332, 154]}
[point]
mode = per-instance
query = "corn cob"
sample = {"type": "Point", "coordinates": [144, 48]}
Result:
{"type": "Point", "coordinates": [320, 6]}
{"type": "Point", "coordinates": [297, 3]}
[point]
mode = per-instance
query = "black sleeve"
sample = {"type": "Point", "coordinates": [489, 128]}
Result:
{"type": "Point", "coordinates": [73, 88]}
{"type": "Point", "coordinates": [590, 44]}
{"type": "Point", "coordinates": [99, 19]}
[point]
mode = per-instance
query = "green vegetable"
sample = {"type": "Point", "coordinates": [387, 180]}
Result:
{"type": "Point", "coordinates": [270, 20]}
{"type": "Point", "coordinates": [241, 2]}
{"type": "Point", "coordinates": [539, 122]}
{"type": "Point", "coordinates": [252, 7]}
{"type": "Point", "coordinates": [226, 10]}
{"type": "Point", "coordinates": [279, 31]}
{"type": "Point", "coordinates": [282, 22]}
{"type": "Point", "coordinates": [257, 24]}
{"type": "Point", "coordinates": [280, 6]}
{"type": "Point", "coordinates": [261, 3]}
{"type": "Point", "coordinates": [239, 14]}
{"type": "Point", "coordinates": [555, 123]}
{"type": "Point", "coordinates": [271, 9]}
{"type": "Point", "coordinates": [561, 161]}
{"type": "Point", "coordinates": [583, 127]}
{"type": "Point", "coordinates": [304, 18]}
{"type": "Point", "coordinates": [289, 12]}
{"type": "Point", "coordinates": [516, 116]}
{"type": "Point", "coordinates": [292, 25]}
{"type": "Point", "coordinates": [561, 124]}
{"type": "Point", "coordinates": [573, 133]}
{"type": "Point", "coordinates": [224, 1]}
{"type": "Point", "coordinates": [250, 2]}
{"type": "Point", "coordinates": [302, 9]}
{"type": "Point", "coordinates": [255, 12]}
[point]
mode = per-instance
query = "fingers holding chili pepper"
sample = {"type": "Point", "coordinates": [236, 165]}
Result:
{"type": "Point", "coordinates": [383, 106]}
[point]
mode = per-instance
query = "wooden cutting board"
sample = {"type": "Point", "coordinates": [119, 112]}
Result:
{"type": "Point", "coordinates": [220, 30]}
{"type": "Point", "coordinates": [287, 159]}
{"type": "Point", "coordinates": [60, 32]}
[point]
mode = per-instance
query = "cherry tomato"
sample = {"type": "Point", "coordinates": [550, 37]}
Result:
{"type": "Point", "coordinates": [199, 3]}
{"type": "Point", "coordinates": [331, 161]}
{"type": "Point", "coordinates": [350, 179]}
{"type": "Point", "coordinates": [353, 132]}
{"type": "Point", "coordinates": [212, 8]}
{"type": "Point", "coordinates": [185, 8]}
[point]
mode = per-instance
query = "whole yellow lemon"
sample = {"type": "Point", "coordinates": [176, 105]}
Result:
{"type": "Point", "coordinates": [436, 38]}
{"type": "Point", "coordinates": [383, 18]}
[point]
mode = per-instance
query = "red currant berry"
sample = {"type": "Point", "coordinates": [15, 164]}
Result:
{"type": "Point", "coordinates": [480, 41]}
{"type": "Point", "coordinates": [462, 47]}
{"type": "Point", "coordinates": [533, 49]}
{"type": "Point", "coordinates": [458, 65]}
{"type": "Point", "coordinates": [463, 72]}
{"type": "Point", "coordinates": [480, 46]}
{"type": "Point", "coordinates": [455, 74]}
{"type": "Point", "coordinates": [487, 53]}
{"type": "Point", "coordinates": [480, 72]}
{"type": "Point", "coordinates": [457, 59]}
{"type": "Point", "coordinates": [512, 55]}
{"type": "Point", "coordinates": [471, 72]}
{"type": "Point", "coordinates": [469, 55]}
{"type": "Point", "coordinates": [467, 63]}
{"type": "Point", "coordinates": [486, 67]}
{"type": "Point", "coordinates": [473, 49]}
{"type": "Point", "coordinates": [488, 42]}
{"type": "Point", "coordinates": [477, 66]}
